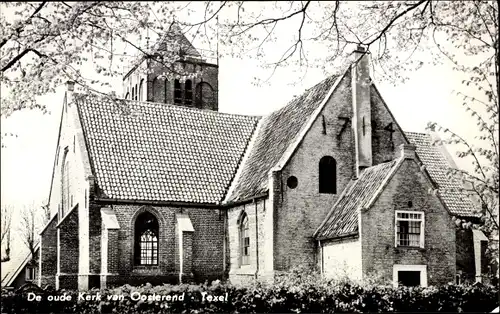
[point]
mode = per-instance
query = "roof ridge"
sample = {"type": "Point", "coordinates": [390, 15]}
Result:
{"type": "Point", "coordinates": [302, 94]}
{"type": "Point", "coordinates": [173, 106]}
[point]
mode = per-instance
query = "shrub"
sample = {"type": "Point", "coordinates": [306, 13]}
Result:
{"type": "Point", "coordinates": [298, 292]}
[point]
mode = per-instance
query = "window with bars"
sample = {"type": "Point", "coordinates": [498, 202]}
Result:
{"type": "Point", "coordinates": [245, 240]}
{"type": "Point", "coordinates": [409, 229]}
{"type": "Point", "coordinates": [146, 239]}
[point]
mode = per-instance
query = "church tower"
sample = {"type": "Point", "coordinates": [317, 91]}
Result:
{"type": "Point", "coordinates": [191, 81]}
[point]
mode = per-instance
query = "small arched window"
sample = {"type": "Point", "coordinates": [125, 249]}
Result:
{"type": "Point", "coordinates": [135, 92]}
{"type": "Point", "coordinates": [146, 239]}
{"type": "Point", "coordinates": [188, 93]}
{"type": "Point", "coordinates": [177, 92]}
{"type": "Point", "coordinates": [328, 175]}
{"type": "Point", "coordinates": [127, 96]}
{"type": "Point", "coordinates": [141, 90]}
{"type": "Point", "coordinates": [244, 240]}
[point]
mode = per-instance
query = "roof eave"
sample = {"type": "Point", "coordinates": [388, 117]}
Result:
{"type": "Point", "coordinates": [106, 200]}
{"type": "Point", "coordinates": [339, 236]}
{"type": "Point", "coordinates": [295, 144]}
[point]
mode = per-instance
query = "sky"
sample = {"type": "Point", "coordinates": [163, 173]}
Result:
{"type": "Point", "coordinates": [27, 159]}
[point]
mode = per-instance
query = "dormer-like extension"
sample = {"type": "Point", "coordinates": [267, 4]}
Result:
{"type": "Point", "coordinates": [190, 81]}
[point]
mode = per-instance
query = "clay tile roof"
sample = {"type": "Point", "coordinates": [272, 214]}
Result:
{"type": "Point", "coordinates": [343, 217]}
{"type": "Point", "coordinates": [160, 152]}
{"type": "Point", "coordinates": [175, 39]}
{"type": "Point", "coordinates": [275, 134]}
{"type": "Point", "coordinates": [436, 163]}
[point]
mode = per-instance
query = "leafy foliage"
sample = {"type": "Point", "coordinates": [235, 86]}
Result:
{"type": "Point", "coordinates": [293, 294]}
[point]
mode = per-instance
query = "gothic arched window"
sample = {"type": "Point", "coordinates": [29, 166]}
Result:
{"type": "Point", "coordinates": [244, 240]}
{"type": "Point", "coordinates": [177, 92]}
{"type": "Point", "coordinates": [328, 175]}
{"type": "Point", "coordinates": [188, 93]}
{"type": "Point", "coordinates": [146, 239]}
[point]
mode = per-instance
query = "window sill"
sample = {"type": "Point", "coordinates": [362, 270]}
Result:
{"type": "Point", "coordinates": [409, 248]}
{"type": "Point", "coordinates": [146, 270]}
{"type": "Point", "coordinates": [244, 270]}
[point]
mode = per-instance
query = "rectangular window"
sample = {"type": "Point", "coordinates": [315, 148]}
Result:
{"type": "Point", "coordinates": [409, 229]}
{"type": "Point", "coordinates": [245, 256]}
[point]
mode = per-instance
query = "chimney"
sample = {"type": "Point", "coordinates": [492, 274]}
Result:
{"type": "Point", "coordinates": [407, 151]}
{"type": "Point", "coordinates": [361, 108]}
{"type": "Point", "coordinates": [70, 88]}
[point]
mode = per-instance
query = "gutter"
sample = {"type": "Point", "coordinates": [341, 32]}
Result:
{"type": "Point", "coordinates": [184, 204]}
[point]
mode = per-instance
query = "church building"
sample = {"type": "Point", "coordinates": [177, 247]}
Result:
{"type": "Point", "coordinates": [159, 186]}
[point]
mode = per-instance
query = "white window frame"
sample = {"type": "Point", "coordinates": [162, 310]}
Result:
{"type": "Point", "coordinates": [421, 268]}
{"type": "Point", "coordinates": [422, 226]}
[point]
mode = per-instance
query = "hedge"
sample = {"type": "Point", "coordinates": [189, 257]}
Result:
{"type": "Point", "coordinates": [282, 297]}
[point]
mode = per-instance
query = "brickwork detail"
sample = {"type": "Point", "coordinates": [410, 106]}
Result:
{"type": "Point", "coordinates": [203, 248]}
{"type": "Point", "coordinates": [49, 254]}
{"type": "Point", "coordinates": [302, 209]}
{"type": "Point", "coordinates": [69, 244]}
{"type": "Point", "coordinates": [378, 229]}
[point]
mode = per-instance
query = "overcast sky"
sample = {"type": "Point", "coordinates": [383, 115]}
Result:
{"type": "Point", "coordinates": [26, 162]}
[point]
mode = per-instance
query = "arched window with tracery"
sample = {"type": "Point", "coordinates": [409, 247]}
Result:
{"type": "Point", "coordinates": [327, 175]}
{"type": "Point", "coordinates": [244, 231]}
{"type": "Point", "coordinates": [146, 239]}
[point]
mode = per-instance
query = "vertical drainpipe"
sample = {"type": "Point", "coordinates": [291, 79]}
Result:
{"type": "Point", "coordinates": [322, 258]}
{"type": "Point", "coordinates": [256, 238]}
{"type": "Point", "coordinates": [224, 245]}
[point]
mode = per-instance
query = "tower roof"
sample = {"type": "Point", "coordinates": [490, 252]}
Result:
{"type": "Point", "coordinates": [172, 42]}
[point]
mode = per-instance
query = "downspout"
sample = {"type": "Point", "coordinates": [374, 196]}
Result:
{"type": "Point", "coordinates": [322, 258]}
{"type": "Point", "coordinates": [256, 239]}
{"type": "Point", "coordinates": [224, 243]}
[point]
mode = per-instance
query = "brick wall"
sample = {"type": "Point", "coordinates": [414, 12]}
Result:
{"type": "Point", "coordinates": [465, 255]}
{"type": "Point", "coordinates": [95, 225]}
{"type": "Point", "coordinates": [207, 244]}
{"type": "Point", "coordinates": [205, 73]}
{"type": "Point", "coordinates": [68, 233]}
{"type": "Point", "coordinates": [255, 212]}
{"type": "Point", "coordinates": [49, 254]}
{"type": "Point", "coordinates": [378, 229]}
{"type": "Point", "coordinates": [301, 210]}
{"type": "Point", "coordinates": [383, 147]}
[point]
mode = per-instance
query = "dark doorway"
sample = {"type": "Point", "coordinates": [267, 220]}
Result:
{"type": "Point", "coordinates": [409, 278]}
